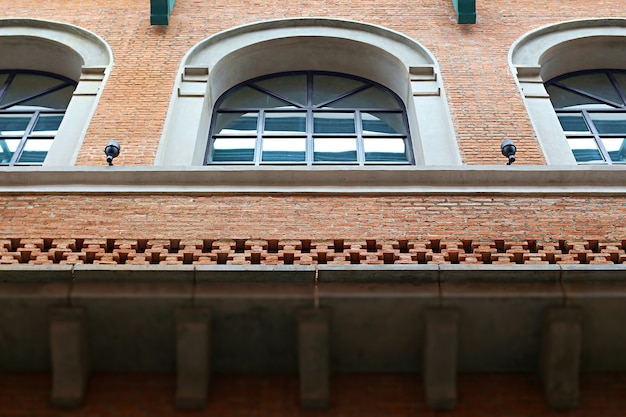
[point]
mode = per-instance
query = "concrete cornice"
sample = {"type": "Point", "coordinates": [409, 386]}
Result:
{"type": "Point", "coordinates": [518, 179]}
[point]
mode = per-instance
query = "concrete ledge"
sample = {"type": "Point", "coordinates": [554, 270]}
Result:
{"type": "Point", "coordinates": [516, 179]}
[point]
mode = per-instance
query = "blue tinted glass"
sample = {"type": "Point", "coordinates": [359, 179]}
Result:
{"type": "Point", "coordinates": [236, 123]}
{"type": "Point", "coordinates": [334, 150]}
{"type": "Point", "coordinates": [7, 149]}
{"type": "Point", "coordinates": [610, 123]}
{"type": "Point", "coordinates": [385, 150]}
{"type": "Point", "coordinates": [334, 123]}
{"type": "Point", "coordinates": [585, 149]}
{"type": "Point", "coordinates": [382, 123]}
{"type": "Point", "coordinates": [573, 123]}
{"type": "Point", "coordinates": [284, 150]}
{"type": "Point", "coordinates": [13, 124]}
{"type": "Point", "coordinates": [233, 150]}
{"type": "Point", "coordinates": [285, 123]}
{"type": "Point", "coordinates": [35, 151]}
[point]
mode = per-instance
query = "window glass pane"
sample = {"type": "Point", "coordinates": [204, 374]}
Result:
{"type": "Point", "coordinates": [372, 97]}
{"type": "Point", "coordinates": [616, 148]}
{"type": "Point", "coordinates": [562, 99]}
{"type": "Point", "coordinates": [291, 87]}
{"type": "Point", "coordinates": [334, 150]}
{"type": "Point", "coordinates": [609, 122]}
{"type": "Point", "coordinates": [246, 97]}
{"type": "Point", "coordinates": [288, 123]}
{"type": "Point", "coordinates": [385, 150]}
{"type": "Point", "coordinates": [621, 80]}
{"type": "Point", "coordinates": [233, 150]}
{"type": "Point", "coordinates": [47, 124]}
{"type": "Point", "coordinates": [13, 124]}
{"type": "Point", "coordinates": [333, 123]}
{"type": "Point", "coordinates": [585, 149]}
{"type": "Point", "coordinates": [3, 79]}
{"type": "Point", "coordinates": [573, 123]}
{"type": "Point", "coordinates": [284, 150]}
{"type": "Point", "coordinates": [328, 87]}
{"type": "Point", "coordinates": [35, 151]}
{"type": "Point", "coordinates": [382, 123]}
{"type": "Point", "coordinates": [7, 149]}
{"type": "Point", "coordinates": [25, 85]}
{"type": "Point", "coordinates": [597, 84]}
{"type": "Point", "coordinates": [57, 100]}
{"type": "Point", "coordinates": [236, 123]}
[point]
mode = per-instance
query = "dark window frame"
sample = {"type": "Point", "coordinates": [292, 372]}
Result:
{"type": "Point", "coordinates": [35, 114]}
{"type": "Point", "coordinates": [309, 110]}
{"type": "Point", "coordinates": [586, 114]}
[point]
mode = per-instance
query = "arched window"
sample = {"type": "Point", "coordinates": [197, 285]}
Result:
{"type": "Point", "coordinates": [51, 78]}
{"type": "Point", "coordinates": [558, 67]}
{"type": "Point", "coordinates": [235, 90]}
{"type": "Point", "coordinates": [32, 106]}
{"type": "Point", "coordinates": [591, 107]}
{"type": "Point", "coordinates": [309, 117]}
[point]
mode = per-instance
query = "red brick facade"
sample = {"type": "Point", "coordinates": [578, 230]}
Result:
{"type": "Point", "coordinates": [486, 107]}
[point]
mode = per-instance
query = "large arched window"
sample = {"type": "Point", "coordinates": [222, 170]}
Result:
{"type": "Point", "coordinates": [591, 107]}
{"type": "Point", "coordinates": [309, 117]}
{"type": "Point", "coordinates": [32, 106]}
{"type": "Point", "coordinates": [51, 78]}
{"type": "Point", "coordinates": [557, 69]}
{"type": "Point", "coordinates": [402, 104]}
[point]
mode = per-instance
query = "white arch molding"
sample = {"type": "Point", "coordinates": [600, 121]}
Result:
{"type": "Point", "coordinates": [236, 55]}
{"type": "Point", "coordinates": [66, 50]}
{"type": "Point", "coordinates": [558, 49]}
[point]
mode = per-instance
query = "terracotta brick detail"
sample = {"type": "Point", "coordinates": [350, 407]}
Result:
{"type": "Point", "coordinates": [304, 252]}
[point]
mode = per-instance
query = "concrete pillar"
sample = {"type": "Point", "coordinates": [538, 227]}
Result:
{"type": "Point", "coordinates": [193, 357]}
{"type": "Point", "coordinates": [440, 357]}
{"type": "Point", "coordinates": [560, 356]}
{"type": "Point", "coordinates": [69, 356]}
{"type": "Point", "coordinates": [313, 356]}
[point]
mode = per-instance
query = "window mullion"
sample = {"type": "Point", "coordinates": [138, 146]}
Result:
{"type": "Point", "coordinates": [20, 148]}
{"type": "Point", "coordinates": [596, 136]}
{"type": "Point", "coordinates": [616, 85]}
{"type": "Point", "coordinates": [259, 137]}
{"type": "Point", "coordinates": [360, 146]}
{"type": "Point", "coordinates": [309, 119]}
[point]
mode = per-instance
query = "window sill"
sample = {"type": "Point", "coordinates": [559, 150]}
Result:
{"type": "Point", "coordinates": [503, 179]}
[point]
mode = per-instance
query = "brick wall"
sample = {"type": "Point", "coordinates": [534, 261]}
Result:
{"type": "Point", "coordinates": [190, 216]}
{"type": "Point", "coordinates": [485, 103]}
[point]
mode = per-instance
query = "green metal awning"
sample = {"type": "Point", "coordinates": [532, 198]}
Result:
{"type": "Point", "coordinates": [160, 11]}
{"type": "Point", "coordinates": [465, 11]}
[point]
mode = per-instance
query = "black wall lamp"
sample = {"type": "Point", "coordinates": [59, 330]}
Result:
{"type": "Point", "coordinates": [112, 150]}
{"type": "Point", "coordinates": [508, 149]}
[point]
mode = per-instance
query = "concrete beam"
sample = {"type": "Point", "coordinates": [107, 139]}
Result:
{"type": "Point", "coordinates": [193, 357]}
{"type": "Point", "coordinates": [560, 356]}
{"type": "Point", "coordinates": [440, 357]}
{"type": "Point", "coordinates": [313, 356]}
{"type": "Point", "coordinates": [69, 356]}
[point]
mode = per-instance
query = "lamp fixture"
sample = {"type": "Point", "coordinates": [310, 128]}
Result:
{"type": "Point", "coordinates": [508, 149]}
{"type": "Point", "coordinates": [112, 150]}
